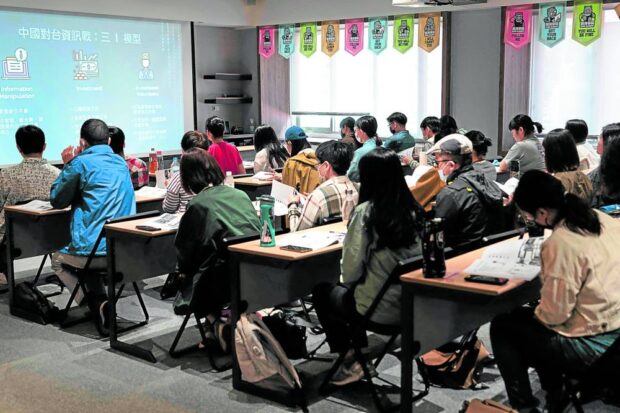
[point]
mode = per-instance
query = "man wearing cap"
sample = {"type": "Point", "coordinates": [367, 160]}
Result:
{"type": "Point", "coordinates": [300, 169]}
{"type": "Point", "coordinates": [470, 205]}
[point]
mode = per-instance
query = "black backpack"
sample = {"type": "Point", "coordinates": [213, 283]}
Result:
{"type": "Point", "coordinates": [31, 304]}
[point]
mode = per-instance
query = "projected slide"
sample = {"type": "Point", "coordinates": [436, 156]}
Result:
{"type": "Point", "coordinates": [59, 70]}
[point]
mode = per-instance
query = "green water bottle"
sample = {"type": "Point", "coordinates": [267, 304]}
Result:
{"type": "Point", "coordinates": [268, 232]}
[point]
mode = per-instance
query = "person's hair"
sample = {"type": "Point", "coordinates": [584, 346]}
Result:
{"type": "Point", "coordinates": [199, 170]}
{"type": "Point", "coordinates": [447, 126]}
{"type": "Point", "coordinates": [398, 117]}
{"type": "Point", "coordinates": [538, 189]}
{"type": "Point", "coordinates": [609, 133]}
{"type": "Point", "coordinates": [338, 154]}
{"type": "Point", "coordinates": [194, 139]}
{"type": "Point", "coordinates": [393, 212]}
{"type": "Point", "coordinates": [538, 127]}
{"type": "Point", "coordinates": [30, 139]}
{"type": "Point", "coordinates": [298, 145]}
{"type": "Point", "coordinates": [578, 128]}
{"type": "Point", "coordinates": [610, 170]}
{"type": "Point", "coordinates": [265, 138]}
{"type": "Point", "coordinates": [117, 140]}
{"type": "Point", "coordinates": [368, 124]}
{"type": "Point", "coordinates": [349, 122]}
{"type": "Point", "coordinates": [95, 132]}
{"type": "Point", "coordinates": [479, 142]}
{"type": "Point", "coordinates": [463, 160]}
{"type": "Point", "coordinates": [216, 126]}
{"type": "Point", "coordinates": [560, 151]}
{"type": "Point", "coordinates": [431, 122]}
{"type": "Point", "coordinates": [522, 121]}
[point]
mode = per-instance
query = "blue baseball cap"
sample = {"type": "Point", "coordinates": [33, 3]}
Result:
{"type": "Point", "coordinates": [294, 133]}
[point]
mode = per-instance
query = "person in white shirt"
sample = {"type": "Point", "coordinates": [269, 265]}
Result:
{"type": "Point", "coordinates": [588, 158]}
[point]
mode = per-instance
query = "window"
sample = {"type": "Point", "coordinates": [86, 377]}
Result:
{"type": "Point", "coordinates": [572, 81]}
{"type": "Point", "coordinates": [324, 90]}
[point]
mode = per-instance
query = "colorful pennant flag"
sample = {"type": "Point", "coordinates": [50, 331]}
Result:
{"type": "Point", "coordinates": [266, 41]}
{"type": "Point", "coordinates": [403, 33]}
{"type": "Point", "coordinates": [518, 26]}
{"type": "Point", "coordinates": [354, 36]}
{"type": "Point", "coordinates": [330, 37]}
{"type": "Point", "coordinates": [286, 40]}
{"type": "Point", "coordinates": [587, 21]}
{"type": "Point", "coordinates": [377, 34]}
{"type": "Point", "coordinates": [307, 39]}
{"type": "Point", "coordinates": [552, 23]}
{"type": "Point", "coordinates": [428, 31]}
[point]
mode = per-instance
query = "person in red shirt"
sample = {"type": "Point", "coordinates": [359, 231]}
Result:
{"type": "Point", "coordinates": [226, 155]}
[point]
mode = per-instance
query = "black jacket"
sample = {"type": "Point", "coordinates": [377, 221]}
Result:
{"type": "Point", "coordinates": [470, 205]}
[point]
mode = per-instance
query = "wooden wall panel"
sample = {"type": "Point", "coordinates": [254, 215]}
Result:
{"type": "Point", "coordinates": [275, 93]}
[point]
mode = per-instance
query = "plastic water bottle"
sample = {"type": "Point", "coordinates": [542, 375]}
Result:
{"type": "Point", "coordinates": [268, 232]}
{"type": "Point", "coordinates": [348, 205]}
{"type": "Point", "coordinates": [160, 174]}
{"type": "Point", "coordinates": [434, 262]}
{"type": "Point", "coordinates": [229, 180]}
{"type": "Point", "coordinates": [176, 166]}
{"type": "Point", "coordinates": [152, 161]}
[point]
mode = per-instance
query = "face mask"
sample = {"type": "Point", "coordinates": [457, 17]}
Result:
{"type": "Point", "coordinates": [392, 131]}
{"type": "Point", "coordinates": [342, 135]}
{"type": "Point", "coordinates": [442, 176]}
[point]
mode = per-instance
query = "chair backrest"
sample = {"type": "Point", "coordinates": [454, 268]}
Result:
{"type": "Point", "coordinates": [331, 220]}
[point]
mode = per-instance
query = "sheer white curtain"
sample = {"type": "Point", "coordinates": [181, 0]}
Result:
{"type": "Point", "coordinates": [368, 83]}
{"type": "Point", "coordinates": [572, 81]}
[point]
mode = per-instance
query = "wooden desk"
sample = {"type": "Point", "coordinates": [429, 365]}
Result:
{"type": "Point", "coordinates": [135, 255]}
{"type": "Point", "coordinates": [265, 277]}
{"type": "Point", "coordinates": [435, 311]}
{"type": "Point", "coordinates": [148, 203]}
{"type": "Point", "coordinates": [253, 187]}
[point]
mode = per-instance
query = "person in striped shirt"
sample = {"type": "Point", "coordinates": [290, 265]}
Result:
{"type": "Point", "coordinates": [177, 197]}
{"type": "Point", "coordinates": [327, 200]}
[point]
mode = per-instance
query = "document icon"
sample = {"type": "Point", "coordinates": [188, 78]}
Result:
{"type": "Point", "coordinates": [12, 68]}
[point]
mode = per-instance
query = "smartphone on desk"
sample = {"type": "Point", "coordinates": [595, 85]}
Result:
{"type": "Point", "coordinates": [147, 228]}
{"type": "Point", "coordinates": [482, 279]}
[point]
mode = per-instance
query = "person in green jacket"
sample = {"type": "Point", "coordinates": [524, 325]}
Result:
{"type": "Point", "coordinates": [217, 211]}
{"type": "Point", "coordinates": [401, 139]}
{"type": "Point", "coordinates": [384, 229]}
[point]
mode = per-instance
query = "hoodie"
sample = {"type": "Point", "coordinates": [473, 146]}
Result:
{"type": "Point", "coordinates": [300, 171]}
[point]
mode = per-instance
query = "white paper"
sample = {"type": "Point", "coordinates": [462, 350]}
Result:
{"type": "Point", "coordinates": [514, 259]}
{"type": "Point", "coordinates": [263, 176]}
{"type": "Point", "coordinates": [165, 221]}
{"type": "Point", "coordinates": [151, 191]}
{"type": "Point", "coordinates": [37, 205]}
{"type": "Point", "coordinates": [248, 164]}
{"type": "Point", "coordinates": [313, 240]}
{"type": "Point", "coordinates": [509, 186]}
{"type": "Point", "coordinates": [279, 209]}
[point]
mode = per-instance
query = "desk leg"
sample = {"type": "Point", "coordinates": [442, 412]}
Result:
{"type": "Point", "coordinates": [235, 307]}
{"type": "Point", "coordinates": [10, 260]}
{"type": "Point", "coordinates": [406, 366]}
{"type": "Point", "coordinates": [116, 344]}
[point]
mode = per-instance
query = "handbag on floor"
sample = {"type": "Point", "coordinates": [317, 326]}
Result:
{"type": "Point", "coordinates": [291, 336]}
{"type": "Point", "coordinates": [485, 406]}
{"type": "Point", "coordinates": [30, 303]}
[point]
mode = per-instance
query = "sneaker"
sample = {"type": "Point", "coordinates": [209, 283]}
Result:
{"type": "Point", "coordinates": [3, 281]}
{"type": "Point", "coordinates": [351, 373]}
{"type": "Point", "coordinates": [222, 333]}
{"type": "Point", "coordinates": [102, 320]}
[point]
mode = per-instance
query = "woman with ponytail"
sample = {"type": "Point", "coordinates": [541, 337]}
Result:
{"type": "Point", "coordinates": [578, 316]}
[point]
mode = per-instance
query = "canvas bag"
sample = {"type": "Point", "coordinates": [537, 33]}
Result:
{"type": "Point", "coordinates": [485, 406]}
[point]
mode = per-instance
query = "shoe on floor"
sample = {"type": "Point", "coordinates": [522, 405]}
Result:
{"type": "Point", "coordinates": [3, 280]}
{"type": "Point", "coordinates": [101, 318]}
{"type": "Point", "coordinates": [222, 333]}
{"type": "Point", "coordinates": [350, 373]}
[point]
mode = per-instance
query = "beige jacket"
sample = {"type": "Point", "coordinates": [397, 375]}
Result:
{"type": "Point", "coordinates": [580, 276]}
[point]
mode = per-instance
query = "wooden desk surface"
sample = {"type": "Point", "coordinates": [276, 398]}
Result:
{"type": "Point", "coordinates": [21, 210]}
{"type": "Point", "coordinates": [254, 248]}
{"type": "Point", "coordinates": [141, 198]}
{"type": "Point", "coordinates": [246, 148]}
{"type": "Point", "coordinates": [130, 228]}
{"type": "Point", "coordinates": [249, 181]}
{"type": "Point", "coordinates": [455, 276]}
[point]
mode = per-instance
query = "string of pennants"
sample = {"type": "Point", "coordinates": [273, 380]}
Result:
{"type": "Point", "coordinates": [282, 37]}
{"type": "Point", "coordinates": [587, 23]}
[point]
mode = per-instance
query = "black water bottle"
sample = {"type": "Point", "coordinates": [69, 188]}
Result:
{"type": "Point", "coordinates": [434, 263]}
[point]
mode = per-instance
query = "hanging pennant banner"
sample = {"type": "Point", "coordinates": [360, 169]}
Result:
{"type": "Point", "coordinates": [403, 33]}
{"type": "Point", "coordinates": [552, 23]}
{"type": "Point", "coordinates": [587, 21]}
{"type": "Point", "coordinates": [617, 9]}
{"type": "Point", "coordinates": [286, 43]}
{"type": "Point", "coordinates": [266, 41]}
{"type": "Point", "coordinates": [330, 37]}
{"type": "Point", "coordinates": [518, 27]}
{"type": "Point", "coordinates": [428, 31]}
{"type": "Point", "coordinates": [354, 36]}
{"type": "Point", "coordinates": [377, 34]}
{"type": "Point", "coordinates": [307, 39]}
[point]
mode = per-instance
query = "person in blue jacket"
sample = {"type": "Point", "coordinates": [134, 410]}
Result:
{"type": "Point", "coordinates": [95, 183]}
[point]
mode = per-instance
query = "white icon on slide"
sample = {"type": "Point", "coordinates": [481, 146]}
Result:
{"type": "Point", "coordinates": [16, 67]}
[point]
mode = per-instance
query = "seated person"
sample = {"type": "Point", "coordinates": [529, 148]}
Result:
{"type": "Point", "coordinates": [28, 180]}
{"type": "Point", "coordinates": [96, 185]}
{"type": "Point", "coordinates": [609, 133]}
{"type": "Point", "coordinates": [527, 149]}
{"type": "Point", "coordinates": [300, 169]}
{"type": "Point", "coordinates": [562, 161]}
{"type": "Point", "coordinates": [366, 133]}
{"type": "Point", "coordinates": [577, 317]}
{"type": "Point", "coordinates": [447, 126]}
{"type": "Point", "coordinates": [176, 198]}
{"type": "Point", "coordinates": [347, 132]}
{"type": "Point", "coordinates": [588, 158]}
{"type": "Point", "coordinates": [470, 205]}
{"type": "Point", "coordinates": [400, 139]}
{"type": "Point", "coordinates": [328, 200]}
{"type": "Point", "coordinates": [269, 152]}
{"type": "Point", "coordinates": [138, 169]}
{"type": "Point", "coordinates": [384, 229]}
{"type": "Point", "coordinates": [217, 211]}
{"type": "Point", "coordinates": [425, 185]}
{"type": "Point", "coordinates": [226, 154]}
{"type": "Point", "coordinates": [610, 172]}
{"type": "Point", "coordinates": [480, 146]}
{"type": "Point", "coordinates": [429, 127]}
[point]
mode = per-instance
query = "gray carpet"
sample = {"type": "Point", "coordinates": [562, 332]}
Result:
{"type": "Point", "coordinates": [46, 369]}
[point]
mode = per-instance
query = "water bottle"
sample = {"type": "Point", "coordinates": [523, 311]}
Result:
{"type": "Point", "coordinates": [252, 127]}
{"type": "Point", "coordinates": [434, 263]}
{"type": "Point", "coordinates": [160, 174]}
{"type": "Point", "coordinates": [152, 161]}
{"type": "Point", "coordinates": [176, 166]}
{"type": "Point", "coordinates": [348, 205]}
{"type": "Point", "coordinates": [229, 180]}
{"type": "Point", "coordinates": [268, 232]}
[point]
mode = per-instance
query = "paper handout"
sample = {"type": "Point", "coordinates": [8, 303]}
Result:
{"type": "Point", "coordinates": [513, 259]}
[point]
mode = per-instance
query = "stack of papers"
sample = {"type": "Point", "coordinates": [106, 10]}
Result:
{"type": "Point", "coordinates": [514, 259]}
{"type": "Point", "coordinates": [37, 205]}
{"type": "Point", "coordinates": [509, 186]}
{"type": "Point", "coordinates": [263, 176]}
{"type": "Point", "coordinates": [165, 221]}
{"type": "Point", "coordinates": [151, 192]}
{"type": "Point", "coordinates": [313, 240]}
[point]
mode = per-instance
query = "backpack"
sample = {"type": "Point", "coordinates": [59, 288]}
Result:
{"type": "Point", "coordinates": [31, 304]}
{"type": "Point", "coordinates": [485, 406]}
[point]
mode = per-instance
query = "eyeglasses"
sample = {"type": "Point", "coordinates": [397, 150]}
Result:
{"type": "Point", "coordinates": [439, 161]}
